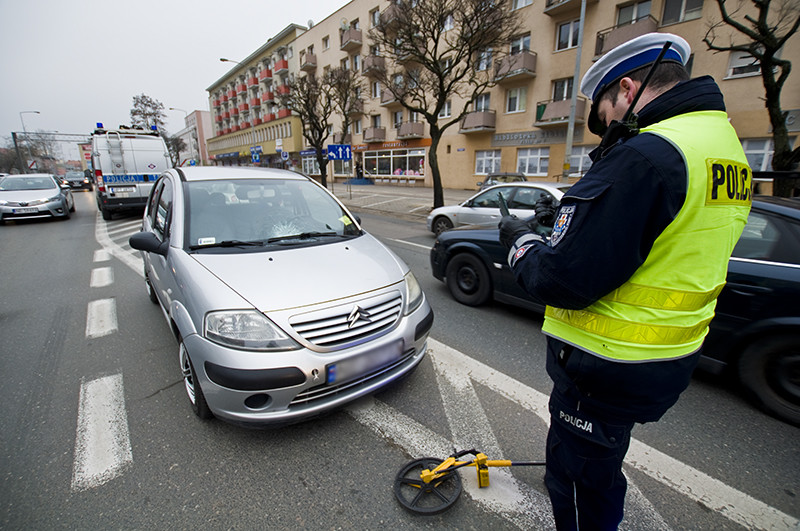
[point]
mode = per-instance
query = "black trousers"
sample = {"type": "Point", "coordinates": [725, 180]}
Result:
{"type": "Point", "coordinates": [584, 467]}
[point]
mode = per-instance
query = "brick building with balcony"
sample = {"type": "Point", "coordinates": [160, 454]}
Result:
{"type": "Point", "coordinates": [521, 123]}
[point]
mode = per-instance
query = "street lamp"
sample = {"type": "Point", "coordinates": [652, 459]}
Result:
{"type": "Point", "coordinates": [222, 59]}
{"type": "Point", "coordinates": [27, 142]}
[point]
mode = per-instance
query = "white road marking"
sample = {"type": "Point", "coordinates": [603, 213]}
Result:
{"type": "Point", "coordinates": [101, 318]}
{"type": "Point", "coordinates": [426, 247]}
{"type": "Point", "coordinates": [102, 442]}
{"type": "Point", "coordinates": [101, 255]}
{"type": "Point", "coordinates": [101, 277]}
{"type": "Point", "coordinates": [130, 258]}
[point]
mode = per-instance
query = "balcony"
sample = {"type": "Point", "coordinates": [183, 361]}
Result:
{"type": "Point", "coordinates": [231, 94]}
{"type": "Point", "coordinates": [351, 40]}
{"type": "Point", "coordinates": [255, 103]}
{"type": "Point", "coordinates": [226, 131]}
{"type": "Point", "coordinates": [284, 113]}
{"type": "Point", "coordinates": [478, 122]}
{"type": "Point", "coordinates": [245, 125]}
{"type": "Point", "coordinates": [556, 8]}
{"type": "Point", "coordinates": [217, 102]}
{"type": "Point", "coordinates": [252, 81]}
{"type": "Point", "coordinates": [375, 134]}
{"type": "Point", "coordinates": [235, 111]}
{"type": "Point", "coordinates": [280, 66]}
{"type": "Point", "coordinates": [243, 107]}
{"type": "Point", "coordinates": [257, 121]}
{"type": "Point", "coordinates": [218, 118]}
{"type": "Point", "coordinates": [235, 128]}
{"type": "Point", "coordinates": [241, 88]}
{"type": "Point", "coordinates": [341, 138]}
{"type": "Point", "coordinates": [610, 38]}
{"type": "Point", "coordinates": [515, 67]}
{"type": "Point", "coordinates": [309, 62]}
{"type": "Point", "coordinates": [388, 99]}
{"type": "Point", "coordinates": [269, 116]}
{"type": "Point", "coordinates": [226, 115]}
{"type": "Point", "coordinates": [265, 75]}
{"type": "Point", "coordinates": [556, 113]}
{"type": "Point", "coordinates": [374, 64]}
{"type": "Point", "coordinates": [224, 98]}
{"type": "Point", "coordinates": [356, 108]}
{"type": "Point", "coordinates": [390, 14]}
{"type": "Point", "coordinates": [282, 90]}
{"type": "Point", "coordinates": [267, 96]}
{"type": "Point", "coordinates": [410, 130]}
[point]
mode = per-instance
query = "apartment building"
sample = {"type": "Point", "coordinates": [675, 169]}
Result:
{"type": "Point", "coordinates": [521, 124]}
{"type": "Point", "coordinates": [197, 128]}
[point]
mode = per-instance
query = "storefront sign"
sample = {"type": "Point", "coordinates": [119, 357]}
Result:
{"type": "Point", "coordinates": [395, 144]}
{"type": "Point", "coordinates": [542, 136]}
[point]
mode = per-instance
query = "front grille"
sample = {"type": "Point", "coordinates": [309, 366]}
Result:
{"type": "Point", "coordinates": [324, 391]}
{"type": "Point", "coordinates": [350, 324]}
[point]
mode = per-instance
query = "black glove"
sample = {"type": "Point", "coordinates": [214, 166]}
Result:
{"type": "Point", "coordinates": [546, 207]}
{"type": "Point", "coordinates": [511, 228]}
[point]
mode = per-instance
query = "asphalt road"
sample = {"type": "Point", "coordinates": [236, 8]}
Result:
{"type": "Point", "coordinates": [713, 462]}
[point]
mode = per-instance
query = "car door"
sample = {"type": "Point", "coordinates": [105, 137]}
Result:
{"type": "Point", "coordinates": [484, 208]}
{"type": "Point", "coordinates": [160, 213]}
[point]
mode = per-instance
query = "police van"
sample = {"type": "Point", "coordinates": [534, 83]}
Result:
{"type": "Point", "coordinates": [126, 163]}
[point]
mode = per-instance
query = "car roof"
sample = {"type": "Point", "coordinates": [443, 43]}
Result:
{"type": "Point", "coordinates": [531, 184]}
{"type": "Point", "coordinates": [28, 175]}
{"type": "Point", "coordinates": [212, 173]}
{"type": "Point", "coordinates": [789, 207]}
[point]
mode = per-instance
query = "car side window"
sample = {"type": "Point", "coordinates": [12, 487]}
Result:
{"type": "Point", "coordinates": [489, 198]}
{"type": "Point", "coordinates": [767, 237]}
{"type": "Point", "coordinates": [525, 198]}
{"type": "Point", "coordinates": [163, 208]}
{"type": "Point", "coordinates": [152, 201]}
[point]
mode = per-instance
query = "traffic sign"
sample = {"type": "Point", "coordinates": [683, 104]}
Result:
{"type": "Point", "coordinates": [340, 152]}
{"type": "Point", "coordinates": [284, 155]}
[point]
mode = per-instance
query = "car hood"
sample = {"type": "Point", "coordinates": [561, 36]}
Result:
{"type": "Point", "coordinates": [293, 277]}
{"type": "Point", "coordinates": [28, 195]}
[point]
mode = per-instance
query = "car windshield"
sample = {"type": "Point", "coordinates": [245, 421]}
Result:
{"type": "Point", "coordinates": [260, 212]}
{"type": "Point", "coordinates": [26, 183]}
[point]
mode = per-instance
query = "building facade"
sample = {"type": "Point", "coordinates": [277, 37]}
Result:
{"type": "Point", "coordinates": [521, 124]}
{"type": "Point", "coordinates": [197, 128]}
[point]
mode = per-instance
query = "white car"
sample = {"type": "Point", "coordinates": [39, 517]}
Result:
{"type": "Point", "coordinates": [483, 208]}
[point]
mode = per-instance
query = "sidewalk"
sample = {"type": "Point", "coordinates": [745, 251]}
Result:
{"type": "Point", "coordinates": [406, 202]}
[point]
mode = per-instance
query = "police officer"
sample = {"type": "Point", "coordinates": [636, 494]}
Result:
{"type": "Point", "coordinates": [632, 270]}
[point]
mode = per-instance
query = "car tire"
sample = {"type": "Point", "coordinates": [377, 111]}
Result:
{"type": "Point", "coordinates": [106, 214]}
{"type": "Point", "coordinates": [441, 224]}
{"type": "Point", "coordinates": [149, 286]}
{"type": "Point", "coordinates": [468, 280]}
{"type": "Point", "coordinates": [770, 370]}
{"type": "Point", "coordinates": [196, 397]}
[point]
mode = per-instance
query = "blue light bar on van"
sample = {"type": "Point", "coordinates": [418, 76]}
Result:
{"type": "Point", "coordinates": [153, 128]}
{"type": "Point", "coordinates": [99, 125]}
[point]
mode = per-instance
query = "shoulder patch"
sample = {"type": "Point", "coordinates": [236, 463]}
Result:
{"type": "Point", "coordinates": [562, 224]}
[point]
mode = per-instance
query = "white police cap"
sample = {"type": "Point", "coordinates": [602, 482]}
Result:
{"type": "Point", "coordinates": [627, 57]}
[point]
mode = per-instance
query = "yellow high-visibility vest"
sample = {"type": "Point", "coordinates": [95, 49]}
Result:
{"type": "Point", "coordinates": [663, 310]}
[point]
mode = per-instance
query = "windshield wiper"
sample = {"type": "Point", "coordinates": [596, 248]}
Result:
{"type": "Point", "coordinates": [301, 236]}
{"type": "Point", "coordinates": [229, 243]}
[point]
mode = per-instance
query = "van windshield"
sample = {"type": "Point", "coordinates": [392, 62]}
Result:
{"type": "Point", "coordinates": [262, 212]}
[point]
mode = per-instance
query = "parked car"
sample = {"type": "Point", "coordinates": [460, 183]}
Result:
{"type": "Point", "coordinates": [78, 179]}
{"type": "Point", "coordinates": [282, 306]}
{"type": "Point", "coordinates": [755, 334]}
{"type": "Point", "coordinates": [501, 178]}
{"type": "Point", "coordinates": [483, 208]}
{"type": "Point", "coordinates": [34, 195]}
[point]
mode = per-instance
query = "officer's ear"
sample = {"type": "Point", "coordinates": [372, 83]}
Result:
{"type": "Point", "coordinates": [628, 89]}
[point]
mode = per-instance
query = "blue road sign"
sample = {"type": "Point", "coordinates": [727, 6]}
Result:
{"type": "Point", "coordinates": [340, 152]}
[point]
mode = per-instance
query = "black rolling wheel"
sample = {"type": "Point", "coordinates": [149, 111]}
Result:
{"type": "Point", "coordinates": [193, 390]}
{"type": "Point", "coordinates": [421, 498]}
{"type": "Point", "coordinates": [441, 224]}
{"type": "Point", "coordinates": [468, 280]}
{"type": "Point", "coordinates": [770, 370]}
{"type": "Point", "coordinates": [149, 286]}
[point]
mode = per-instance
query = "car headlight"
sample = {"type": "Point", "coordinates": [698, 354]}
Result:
{"type": "Point", "coordinates": [413, 293]}
{"type": "Point", "coordinates": [247, 330]}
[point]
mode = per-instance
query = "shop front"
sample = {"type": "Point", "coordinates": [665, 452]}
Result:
{"type": "Point", "coordinates": [397, 162]}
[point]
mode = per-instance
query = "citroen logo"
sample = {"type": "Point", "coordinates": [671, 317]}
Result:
{"type": "Point", "coordinates": [357, 314]}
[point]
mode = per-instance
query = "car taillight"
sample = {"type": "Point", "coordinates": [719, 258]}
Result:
{"type": "Point", "coordinates": [99, 178]}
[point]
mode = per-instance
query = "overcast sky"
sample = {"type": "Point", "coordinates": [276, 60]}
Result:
{"type": "Point", "coordinates": [79, 62]}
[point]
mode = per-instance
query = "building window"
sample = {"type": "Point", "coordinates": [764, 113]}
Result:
{"type": "Point", "coordinates": [326, 42]}
{"type": "Point", "coordinates": [562, 89]}
{"type": "Point", "coordinates": [446, 110]}
{"type": "Point", "coordinates": [579, 161]}
{"type": "Point", "coordinates": [375, 50]}
{"type": "Point", "coordinates": [354, 24]}
{"type": "Point", "coordinates": [487, 161]}
{"type": "Point", "coordinates": [515, 99]}
{"type": "Point", "coordinates": [484, 60]}
{"type": "Point", "coordinates": [742, 64]}
{"type": "Point", "coordinates": [568, 35]}
{"type": "Point", "coordinates": [357, 126]}
{"type": "Point", "coordinates": [759, 153]}
{"type": "Point", "coordinates": [345, 63]}
{"type": "Point", "coordinates": [482, 102]}
{"type": "Point", "coordinates": [516, 4]}
{"type": "Point", "coordinates": [633, 12]}
{"type": "Point", "coordinates": [449, 23]}
{"type": "Point", "coordinates": [520, 44]}
{"type": "Point", "coordinates": [533, 161]}
{"type": "Point", "coordinates": [375, 17]}
{"type": "Point", "coordinates": [397, 118]}
{"type": "Point", "coordinates": [376, 89]}
{"type": "Point", "coordinates": [342, 167]}
{"type": "Point", "coordinates": [376, 120]}
{"type": "Point", "coordinates": [681, 11]}
{"type": "Point", "coordinates": [395, 162]}
{"type": "Point", "coordinates": [310, 165]}
{"type": "Point", "coordinates": [356, 63]}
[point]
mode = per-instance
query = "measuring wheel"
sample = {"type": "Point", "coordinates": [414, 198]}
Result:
{"type": "Point", "coordinates": [426, 498]}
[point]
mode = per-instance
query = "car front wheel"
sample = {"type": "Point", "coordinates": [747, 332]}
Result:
{"type": "Point", "coordinates": [770, 370]}
{"type": "Point", "coordinates": [192, 385]}
{"type": "Point", "coordinates": [468, 280]}
{"type": "Point", "coordinates": [441, 224]}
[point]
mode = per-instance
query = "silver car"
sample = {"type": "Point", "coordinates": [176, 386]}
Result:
{"type": "Point", "coordinates": [483, 208]}
{"type": "Point", "coordinates": [282, 306]}
{"type": "Point", "coordinates": [34, 195]}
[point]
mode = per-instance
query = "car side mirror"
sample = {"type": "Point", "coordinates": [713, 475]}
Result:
{"type": "Point", "coordinates": [149, 242]}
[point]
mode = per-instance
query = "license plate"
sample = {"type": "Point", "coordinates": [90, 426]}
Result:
{"type": "Point", "coordinates": [350, 368]}
{"type": "Point", "coordinates": [123, 189]}
{"type": "Point", "coordinates": [26, 210]}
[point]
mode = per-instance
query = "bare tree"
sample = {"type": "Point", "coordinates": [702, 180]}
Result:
{"type": "Point", "coordinates": [147, 112]}
{"type": "Point", "coordinates": [434, 49]}
{"type": "Point", "coordinates": [311, 100]}
{"type": "Point", "coordinates": [762, 30]}
{"type": "Point", "coordinates": [346, 88]}
{"type": "Point", "coordinates": [175, 145]}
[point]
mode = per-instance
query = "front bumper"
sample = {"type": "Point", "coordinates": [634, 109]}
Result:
{"type": "Point", "coordinates": [278, 388]}
{"type": "Point", "coordinates": [53, 209]}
